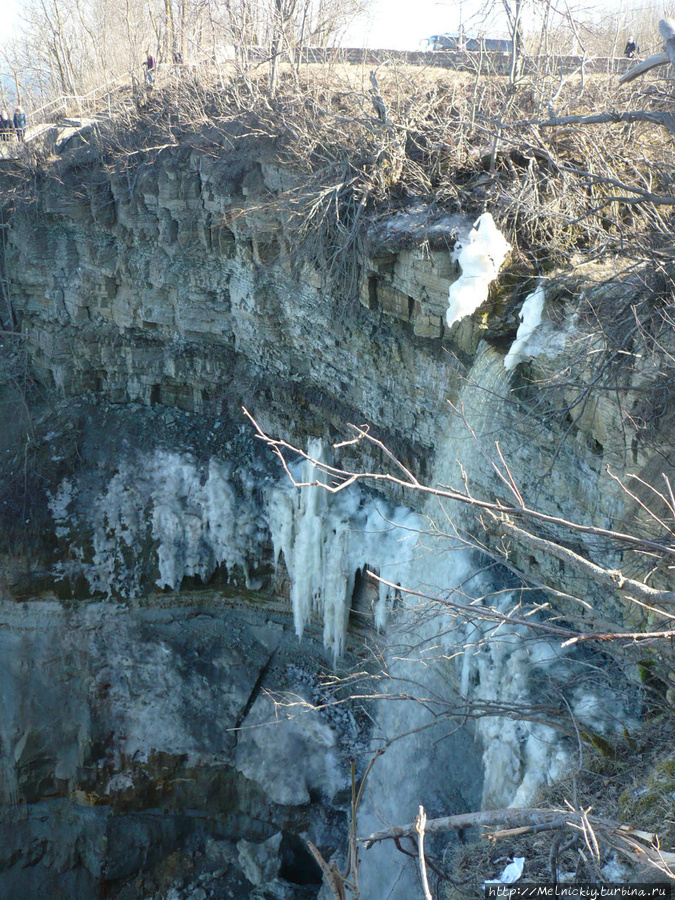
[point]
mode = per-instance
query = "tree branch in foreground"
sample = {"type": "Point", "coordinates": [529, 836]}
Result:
{"type": "Point", "coordinates": [666, 119]}
{"type": "Point", "coordinates": [497, 516]}
{"type": "Point", "coordinates": [638, 846]}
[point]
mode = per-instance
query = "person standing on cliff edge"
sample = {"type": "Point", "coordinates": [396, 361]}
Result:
{"type": "Point", "coordinates": [5, 126]}
{"type": "Point", "coordinates": [20, 123]}
{"type": "Point", "coordinates": [150, 64]}
{"type": "Point", "coordinates": [631, 48]}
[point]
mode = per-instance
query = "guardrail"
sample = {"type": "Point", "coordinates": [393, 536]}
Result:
{"type": "Point", "coordinates": [96, 101]}
{"type": "Point", "coordinates": [66, 102]}
{"type": "Point", "coordinates": [492, 60]}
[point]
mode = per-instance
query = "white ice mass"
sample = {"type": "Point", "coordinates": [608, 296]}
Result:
{"type": "Point", "coordinates": [326, 537]}
{"type": "Point", "coordinates": [195, 517]}
{"type": "Point", "coordinates": [480, 257]}
{"type": "Point", "coordinates": [530, 319]}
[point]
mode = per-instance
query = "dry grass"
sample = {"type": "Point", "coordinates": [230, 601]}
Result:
{"type": "Point", "coordinates": [636, 788]}
{"type": "Point", "coordinates": [454, 141]}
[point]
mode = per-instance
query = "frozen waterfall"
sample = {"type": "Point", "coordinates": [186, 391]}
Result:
{"type": "Point", "coordinates": [325, 538]}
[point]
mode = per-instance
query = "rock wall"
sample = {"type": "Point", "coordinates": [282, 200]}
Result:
{"type": "Point", "coordinates": [176, 285]}
{"type": "Point", "coordinates": [128, 739]}
{"type": "Point", "coordinates": [176, 293]}
{"type": "Point", "coordinates": [154, 302]}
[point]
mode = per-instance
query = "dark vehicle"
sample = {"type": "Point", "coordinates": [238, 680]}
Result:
{"type": "Point", "coordinates": [450, 41]}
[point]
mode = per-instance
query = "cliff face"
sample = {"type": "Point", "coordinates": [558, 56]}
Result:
{"type": "Point", "coordinates": [123, 766]}
{"type": "Point", "coordinates": [177, 290]}
{"type": "Point", "coordinates": [153, 304]}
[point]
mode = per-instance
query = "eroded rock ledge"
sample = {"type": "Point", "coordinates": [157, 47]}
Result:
{"type": "Point", "coordinates": [153, 303]}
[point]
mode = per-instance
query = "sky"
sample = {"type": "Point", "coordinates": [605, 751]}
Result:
{"type": "Point", "coordinates": [391, 24]}
{"type": "Point", "coordinates": [403, 24]}
{"type": "Point", "coordinates": [9, 10]}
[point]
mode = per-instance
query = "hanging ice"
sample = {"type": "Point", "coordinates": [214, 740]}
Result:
{"type": "Point", "coordinates": [480, 257]}
{"type": "Point", "coordinates": [195, 518]}
{"type": "Point", "coordinates": [198, 524]}
{"type": "Point", "coordinates": [530, 319]}
{"type": "Point", "coordinates": [325, 538]}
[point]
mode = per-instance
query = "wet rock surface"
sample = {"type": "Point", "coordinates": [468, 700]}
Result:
{"type": "Point", "coordinates": [120, 739]}
{"type": "Point", "coordinates": [135, 753]}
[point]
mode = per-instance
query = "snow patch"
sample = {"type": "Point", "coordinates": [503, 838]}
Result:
{"type": "Point", "coordinates": [480, 257]}
{"type": "Point", "coordinates": [512, 872]}
{"type": "Point", "coordinates": [58, 506]}
{"type": "Point", "coordinates": [615, 871]}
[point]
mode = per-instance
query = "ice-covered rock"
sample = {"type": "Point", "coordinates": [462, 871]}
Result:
{"type": "Point", "coordinates": [194, 518]}
{"type": "Point", "coordinates": [480, 257]}
{"type": "Point", "coordinates": [289, 752]}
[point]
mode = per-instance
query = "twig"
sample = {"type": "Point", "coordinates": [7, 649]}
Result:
{"type": "Point", "coordinates": [622, 838]}
{"type": "Point", "coordinates": [344, 478]}
{"type": "Point", "coordinates": [330, 871]}
{"type": "Point", "coordinates": [420, 823]}
{"type": "Point", "coordinates": [667, 120]}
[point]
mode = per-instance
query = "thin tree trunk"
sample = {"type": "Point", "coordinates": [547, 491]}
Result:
{"type": "Point", "coordinates": [170, 43]}
{"type": "Point", "coordinates": [183, 27]}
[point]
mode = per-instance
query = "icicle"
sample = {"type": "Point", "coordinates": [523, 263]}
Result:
{"type": "Point", "coordinates": [325, 538]}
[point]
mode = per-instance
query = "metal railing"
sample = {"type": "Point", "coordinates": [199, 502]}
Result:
{"type": "Point", "coordinates": [96, 101]}
{"type": "Point", "coordinates": [90, 101]}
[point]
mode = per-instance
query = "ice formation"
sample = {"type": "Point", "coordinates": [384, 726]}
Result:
{"type": "Point", "coordinates": [518, 755]}
{"type": "Point", "coordinates": [325, 538]}
{"type": "Point", "coordinates": [501, 760]}
{"type": "Point", "coordinates": [436, 765]}
{"type": "Point", "coordinates": [480, 257]}
{"type": "Point", "coordinates": [198, 517]}
{"type": "Point", "coordinates": [195, 518]}
{"type": "Point", "coordinates": [200, 525]}
{"type": "Point", "coordinates": [530, 319]}
{"type": "Point", "coordinates": [479, 663]}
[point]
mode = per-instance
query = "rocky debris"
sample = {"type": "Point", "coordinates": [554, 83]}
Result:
{"type": "Point", "coordinates": [120, 760]}
{"type": "Point", "coordinates": [260, 862]}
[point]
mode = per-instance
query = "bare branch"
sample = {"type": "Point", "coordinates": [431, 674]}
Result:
{"type": "Point", "coordinates": [343, 478]}
{"type": "Point", "coordinates": [420, 824]}
{"type": "Point", "coordinates": [653, 117]}
{"type": "Point", "coordinates": [610, 578]}
{"type": "Point", "coordinates": [623, 838]}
